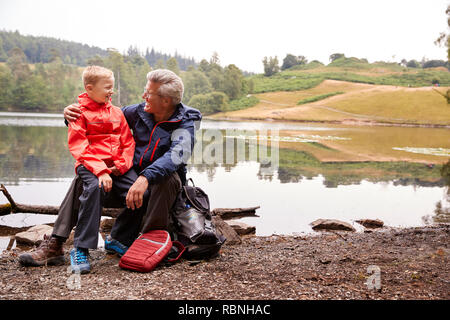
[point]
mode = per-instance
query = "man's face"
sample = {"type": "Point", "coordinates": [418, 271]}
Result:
{"type": "Point", "coordinates": [154, 103]}
{"type": "Point", "coordinates": [102, 91]}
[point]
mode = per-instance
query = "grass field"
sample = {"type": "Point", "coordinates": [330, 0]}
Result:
{"type": "Point", "coordinates": [379, 103]}
{"type": "Point", "coordinates": [352, 70]}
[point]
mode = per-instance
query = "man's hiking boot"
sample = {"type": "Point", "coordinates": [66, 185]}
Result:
{"type": "Point", "coordinates": [114, 246]}
{"type": "Point", "coordinates": [79, 260]}
{"type": "Point", "coordinates": [49, 252]}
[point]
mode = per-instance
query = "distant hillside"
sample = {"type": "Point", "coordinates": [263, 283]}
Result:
{"type": "Point", "coordinates": [44, 49]}
{"type": "Point", "coordinates": [306, 76]}
{"type": "Point", "coordinates": [339, 101]}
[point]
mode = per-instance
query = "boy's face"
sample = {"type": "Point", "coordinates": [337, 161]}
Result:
{"type": "Point", "coordinates": [102, 91]}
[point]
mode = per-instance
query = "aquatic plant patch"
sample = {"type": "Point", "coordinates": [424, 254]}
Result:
{"type": "Point", "coordinates": [431, 151]}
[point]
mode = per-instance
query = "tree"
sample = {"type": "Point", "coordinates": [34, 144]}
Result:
{"type": "Point", "coordinates": [95, 61]}
{"type": "Point", "coordinates": [216, 77]}
{"type": "Point", "coordinates": [204, 66]}
{"type": "Point", "coordinates": [6, 86]}
{"type": "Point", "coordinates": [3, 55]}
{"type": "Point", "coordinates": [195, 82]}
{"type": "Point", "coordinates": [434, 64]}
{"type": "Point", "coordinates": [54, 54]}
{"type": "Point", "coordinates": [172, 65]}
{"type": "Point", "coordinates": [214, 58]}
{"type": "Point", "coordinates": [290, 60]}
{"type": "Point", "coordinates": [210, 102]}
{"type": "Point", "coordinates": [413, 64]}
{"type": "Point", "coordinates": [335, 56]}
{"type": "Point", "coordinates": [270, 66]}
{"type": "Point", "coordinates": [233, 82]}
{"type": "Point", "coordinates": [159, 64]}
{"type": "Point", "coordinates": [444, 38]}
{"type": "Point", "coordinates": [17, 62]}
{"type": "Point", "coordinates": [115, 62]}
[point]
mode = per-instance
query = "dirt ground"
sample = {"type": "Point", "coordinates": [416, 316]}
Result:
{"type": "Point", "coordinates": [398, 264]}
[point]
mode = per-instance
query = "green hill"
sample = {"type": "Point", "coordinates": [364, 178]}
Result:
{"type": "Point", "coordinates": [353, 70]}
{"type": "Point", "coordinates": [44, 49]}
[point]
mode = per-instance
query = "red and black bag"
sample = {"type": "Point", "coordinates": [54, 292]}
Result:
{"type": "Point", "coordinates": [149, 250]}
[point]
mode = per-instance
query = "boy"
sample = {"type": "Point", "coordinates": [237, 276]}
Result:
{"type": "Point", "coordinates": [102, 144]}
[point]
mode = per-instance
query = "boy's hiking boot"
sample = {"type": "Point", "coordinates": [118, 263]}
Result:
{"type": "Point", "coordinates": [79, 260]}
{"type": "Point", "coordinates": [114, 246]}
{"type": "Point", "coordinates": [49, 252]}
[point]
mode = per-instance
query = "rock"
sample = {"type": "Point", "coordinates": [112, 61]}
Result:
{"type": "Point", "coordinates": [34, 235]}
{"type": "Point", "coordinates": [331, 224]}
{"type": "Point", "coordinates": [228, 232]}
{"type": "Point", "coordinates": [69, 241]}
{"type": "Point", "coordinates": [241, 228]}
{"type": "Point", "coordinates": [370, 223]}
{"type": "Point", "coordinates": [106, 225]}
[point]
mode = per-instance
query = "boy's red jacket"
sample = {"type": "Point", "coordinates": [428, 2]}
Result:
{"type": "Point", "coordinates": [100, 137]}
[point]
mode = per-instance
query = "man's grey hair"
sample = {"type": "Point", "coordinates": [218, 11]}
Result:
{"type": "Point", "coordinates": [171, 84]}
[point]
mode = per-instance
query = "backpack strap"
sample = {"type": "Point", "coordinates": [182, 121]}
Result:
{"type": "Point", "coordinates": [190, 179]}
{"type": "Point", "coordinates": [181, 248]}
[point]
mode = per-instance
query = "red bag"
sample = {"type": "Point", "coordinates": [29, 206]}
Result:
{"type": "Point", "coordinates": [148, 251]}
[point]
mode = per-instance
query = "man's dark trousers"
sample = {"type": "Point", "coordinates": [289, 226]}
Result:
{"type": "Point", "coordinates": [154, 214]}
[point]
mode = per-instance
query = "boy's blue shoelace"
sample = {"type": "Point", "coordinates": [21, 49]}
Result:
{"type": "Point", "coordinates": [80, 256]}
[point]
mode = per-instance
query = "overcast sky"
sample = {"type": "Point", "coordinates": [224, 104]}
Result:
{"type": "Point", "coordinates": [241, 31]}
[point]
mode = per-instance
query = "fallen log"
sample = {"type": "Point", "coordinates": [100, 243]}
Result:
{"type": "Point", "coordinates": [232, 213]}
{"type": "Point", "coordinates": [14, 207]}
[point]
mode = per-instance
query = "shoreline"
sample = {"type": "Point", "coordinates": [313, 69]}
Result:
{"type": "Point", "coordinates": [412, 263]}
{"type": "Point", "coordinates": [352, 122]}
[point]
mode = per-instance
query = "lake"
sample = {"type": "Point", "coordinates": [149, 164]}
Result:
{"type": "Point", "coordinates": [246, 164]}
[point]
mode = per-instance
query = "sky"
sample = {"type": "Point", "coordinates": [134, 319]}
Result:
{"type": "Point", "coordinates": [242, 32]}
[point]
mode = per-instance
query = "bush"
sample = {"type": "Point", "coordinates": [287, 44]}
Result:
{"type": "Point", "coordinates": [319, 97]}
{"type": "Point", "coordinates": [210, 102]}
{"type": "Point", "coordinates": [242, 103]}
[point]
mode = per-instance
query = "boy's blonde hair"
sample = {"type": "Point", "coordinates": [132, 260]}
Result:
{"type": "Point", "coordinates": [92, 74]}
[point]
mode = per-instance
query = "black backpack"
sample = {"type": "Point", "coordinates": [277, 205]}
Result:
{"type": "Point", "coordinates": [192, 225]}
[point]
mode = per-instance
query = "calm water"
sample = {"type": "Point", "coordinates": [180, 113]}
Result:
{"type": "Point", "coordinates": [37, 168]}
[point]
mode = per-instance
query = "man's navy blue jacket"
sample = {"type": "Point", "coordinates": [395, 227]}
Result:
{"type": "Point", "coordinates": [162, 147]}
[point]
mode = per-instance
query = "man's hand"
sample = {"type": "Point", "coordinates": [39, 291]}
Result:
{"type": "Point", "coordinates": [135, 195]}
{"type": "Point", "coordinates": [114, 171]}
{"type": "Point", "coordinates": [106, 180]}
{"type": "Point", "coordinates": [72, 112]}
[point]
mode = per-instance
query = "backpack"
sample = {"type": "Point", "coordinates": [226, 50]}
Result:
{"type": "Point", "coordinates": [192, 224]}
{"type": "Point", "coordinates": [149, 250]}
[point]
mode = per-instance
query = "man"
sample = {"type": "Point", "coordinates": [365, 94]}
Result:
{"type": "Point", "coordinates": [164, 131]}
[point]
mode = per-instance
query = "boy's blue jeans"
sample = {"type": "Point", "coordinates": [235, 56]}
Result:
{"type": "Point", "coordinates": [92, 201]}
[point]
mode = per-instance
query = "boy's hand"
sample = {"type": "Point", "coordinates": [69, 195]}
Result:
{"type": "Point", "coordinates": [72, 112]}
{"type": "Point", "coordinates": [114, 171]}
{"type": "Point", "coordinates": [106, 180]}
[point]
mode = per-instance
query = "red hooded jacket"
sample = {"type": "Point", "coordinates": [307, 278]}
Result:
{"type": "Point", "coordinates": [100, 138]}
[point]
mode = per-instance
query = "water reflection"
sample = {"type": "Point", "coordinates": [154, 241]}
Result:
{"type": "Point", "coordinates": [442, 211]}
{"type": "Point", "coordinates": [37, 168]}
{"type": "Point", "coordinates": [34, 153]}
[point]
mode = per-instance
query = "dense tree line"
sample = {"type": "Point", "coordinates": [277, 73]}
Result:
{"type": "Point", "coordinates": [52, 86]}
{"type": "Point", "coordinates": [45, 49]}
{"type": "Point", "coordinates": [38, 87]}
